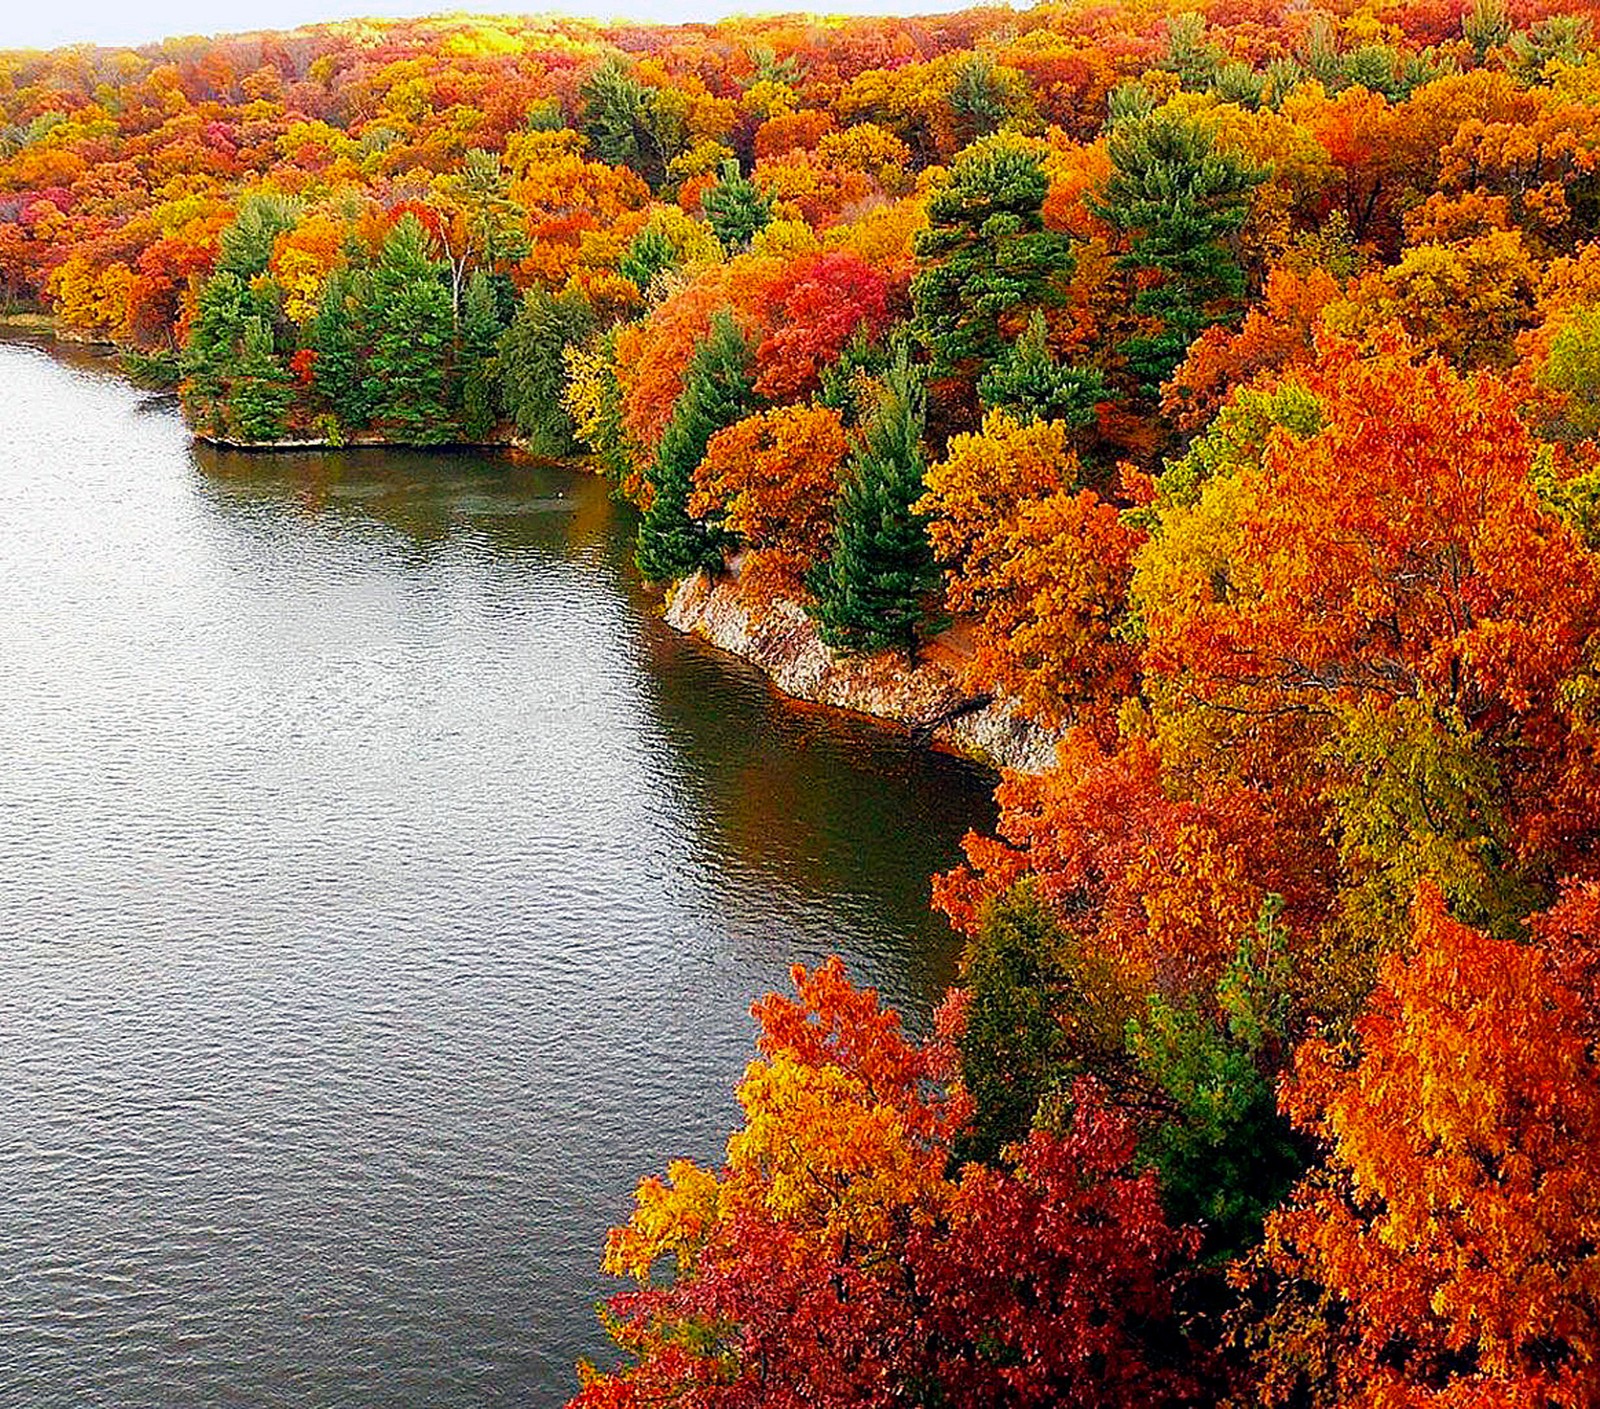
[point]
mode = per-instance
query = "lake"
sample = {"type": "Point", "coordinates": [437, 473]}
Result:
{"type": "Point", "coordinates": [383, 889]}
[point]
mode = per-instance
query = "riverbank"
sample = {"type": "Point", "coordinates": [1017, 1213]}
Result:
{"type": "Point", "coordinates": [926, 698]}
{"type": "Point", "coordinates": [358, 441]}
{"type": "Point", "coordinates": [776, 636]}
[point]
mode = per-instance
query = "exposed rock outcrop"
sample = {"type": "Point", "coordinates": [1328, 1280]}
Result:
{"type": "Point", "coordinates": [779, 639]}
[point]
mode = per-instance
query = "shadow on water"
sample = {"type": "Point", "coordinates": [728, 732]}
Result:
{"type": "Point", "coordinates": [846, 805]}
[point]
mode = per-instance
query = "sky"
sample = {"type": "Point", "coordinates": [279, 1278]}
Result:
{"type": "Point", "coordinates": [46, 23]}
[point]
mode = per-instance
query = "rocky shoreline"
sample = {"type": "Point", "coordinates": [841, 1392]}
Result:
{"type": "Point", "coordinates": [779, 639]}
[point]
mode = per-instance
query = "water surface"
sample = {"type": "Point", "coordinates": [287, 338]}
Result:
{"type": "Point", "coordinates": [382, 891]}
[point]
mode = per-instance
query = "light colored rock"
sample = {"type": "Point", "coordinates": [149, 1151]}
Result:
{"type": "Point", "coordinates": [780, 640]}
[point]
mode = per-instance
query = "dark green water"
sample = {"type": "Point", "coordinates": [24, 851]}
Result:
{"type": "Point", "coordinates": [382, 890]}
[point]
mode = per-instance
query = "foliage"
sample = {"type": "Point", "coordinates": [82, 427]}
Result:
{"type": "Point", "coordinates": [1455, 1221]}
{"type": "Point", "coordinates": [716, 394]}
{"type": "Point", "coordinates": [987, 260]}
{"type": "Point", "coordinates": [532, 378]}
{"type": "Point", "coordinates": [870, 592]}
{"type": "Point", "coordinates": [412, 331]}
{"type": "Point", "coordinates": [735, 209]}
{"type": "Point", "coordinates": [1181, 201]}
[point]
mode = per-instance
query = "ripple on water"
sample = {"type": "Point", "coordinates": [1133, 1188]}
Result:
{"type": "Point", "coordinates": [382, 889]}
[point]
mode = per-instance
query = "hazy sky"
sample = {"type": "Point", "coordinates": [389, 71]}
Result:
{"type": "Point", "coordinates": [46, 23]}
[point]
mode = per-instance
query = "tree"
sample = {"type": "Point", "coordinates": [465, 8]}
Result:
{"type": "Point", "coordinates": [1030, 384]}
{"type": "Point", "coordinates": [478, 335]}
{"type": "Point", "coordinates": [1398, 554]}
{"type": "Point", "coordinates": [1224, 1153]}
{"type": "Point", "coordinates": [1010, 1022]}
{"type": "Point", "coordinates": [481, 229]}
{"type": "Point", "coordinates": [871, 592]}
{"type": "Point", "coordinates": [716, 393]}
{"type": "Point", "coordinates": [621, 121]}
{"type": "Point", "coordinates": [336, 335]}
{"type": "Point", "coordinates": [531, 371]}
{"type": "Point", "coordinates": [260, 392]}
{"type": "Point", "coordinates": [986, 260]}
{"type": "Point", "coordinates": [1182, 201]}
{"type": "Point", "coordinates": [822, 302]}
{"type": "Point", "coordinates": [247, 244]}
{"type": "Point", "coordinates": [1457, 1220]}
{"type": "Point", "coordinates": [838, 1210]}
{"type": "Point", "coordinates": [770, 480]}
{"type": "Point", "coordinates": [412, 329]}
{"type": "Point", "coordinates": [735, 209]}
{"type": "Point", "coordinates": [210, 356]}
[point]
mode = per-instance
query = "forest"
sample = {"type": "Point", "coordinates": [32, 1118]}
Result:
{"type": "Point", "coordinates": [1225, 378]}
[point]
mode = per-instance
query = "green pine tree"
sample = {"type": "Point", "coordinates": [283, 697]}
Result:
{"type": "Point", "coordinates": [211, 355]}
{"type": "Point", "coordinates": [1183, 202]}
{"type": "Point", "coordinates": [261, 393]}
{"type": "Point", "coordinates": [246, 245]}
{"type": "Point", "coordinates": [1029, 383]}
{"type": "Point", "coordinates": [409, 314]}
{"type": "Point", "coordinates": [530, 370]}
{"type": "Point", "coordinates": [475, 357]}
{"type": "Point", "coordinates": [716, 393]}
{"type": "Point", "coordinates": [986, 252]}
{"type": "Point", "coordinates": [735, 208]}
{"type": "Point", "coordinates": [336, 335]}
{"type": "Point", "coordinates": [870, 592]}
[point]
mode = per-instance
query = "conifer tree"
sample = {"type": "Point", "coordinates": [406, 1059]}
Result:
{"type": "Point", "coordinates": [1029, 383]}
{"type": "Point", "coordinates": [479, 333]}
{"type": "Point", "coordinates": [986, 252]}
{"type": "Point", "coordinates": [531, 371]}
{"type": "Point", "coordinates": [735, 208]}
{"type": "Point", "coordinates": [409, 312]}
{"type": "Point", "coordinates": [211, 356]}
{"type": "Point", "coordinates": [335, 336]}
{"type": "Point", "coordinates": [871, 590]}
{"type": "Point", "coordinates": [716, 393]}
{"type": "Point", "coordinates": [1182, 201]}
{"type": "Point", "coordinates": [261, 392]}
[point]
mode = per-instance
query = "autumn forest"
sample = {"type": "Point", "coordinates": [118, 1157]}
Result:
{"type": "Point", "coordinates": [1219, 384]}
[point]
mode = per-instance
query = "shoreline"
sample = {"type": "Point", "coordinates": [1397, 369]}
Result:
{"type": "Point", "coordinates": [925, 699]}
{"type": "Point", "coordinates": [776, 637]}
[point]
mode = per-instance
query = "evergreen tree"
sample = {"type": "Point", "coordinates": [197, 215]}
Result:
{"type": "Point", "coordinates": [649, 253]}
{"type": "Point", "coordinates": [870, 591]}
{"type": "Point", "coordinates": [409, 313]}
{"type": "Point", "coordinates": [246, 245]}
{"type": "Point", "coordinates": [335, 335]}
{"type": "Point", "coordinates": [735, 208]}
{"type": "Point", "coordinates": [1013, 1045]}
{"type": "Point", "coordinates": [532, 375]}
{"type": "Point", "coordinates": [212, 352]}
{"type": "Point", "coordinates": [475, 358]}
{"type": "Point", "coordinates": [716, 393]}
{"type": "Point", "coordinates": [623, 121]}
{"type": "Point", "coordinates": [1183, 202]}
{"type": "Point", "coordinates": [1028, 382]}
{"type": "Point", "coordinates": [1225, 1154]}
{"type": "Point", "coordinates": [261, 392]}
{"type": "Point", "coordinates": [986, 253]}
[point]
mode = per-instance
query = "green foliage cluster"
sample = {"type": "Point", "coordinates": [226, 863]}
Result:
{"type": "Point", "coordinates": [986, 258]}
{"type": "Point", "coordinates": [390, 350]}
{"type": "Point", "coordinates": [716, 393]}
{"type": "Point", "coordinates": [1181, 202]}
{"type": "Point", "coordinates": [872, 590]}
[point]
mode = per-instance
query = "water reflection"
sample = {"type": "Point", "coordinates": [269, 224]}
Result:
{"type": "Point", "coordinates": [384, 888]}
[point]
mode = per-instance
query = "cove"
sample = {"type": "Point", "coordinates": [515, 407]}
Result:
{"type": "Point", "coordinates": [382, 890]}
